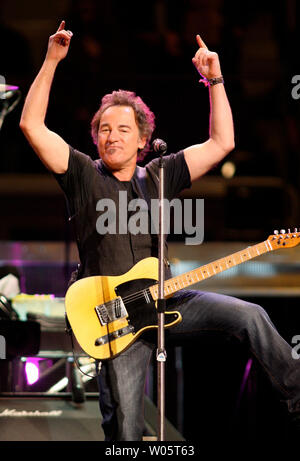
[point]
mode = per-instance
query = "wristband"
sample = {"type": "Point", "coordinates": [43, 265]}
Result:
{"type": "Point", "coordinates": [212, 81]}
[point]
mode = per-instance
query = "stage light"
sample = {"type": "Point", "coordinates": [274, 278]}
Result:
{"type": "Point", "coordinates": [228, 170]}
{"type": "Point", "coordinates": [32, 370]}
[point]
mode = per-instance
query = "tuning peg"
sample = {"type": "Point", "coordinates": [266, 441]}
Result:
{"type": "Point", "coordinates": [282, 231]}
{"type": "Point", "coordinates": [289, 231]}
{"type": "Point", "coordinates": [276, 232]}
{"type": "Point", "coordinates": [296, 229]}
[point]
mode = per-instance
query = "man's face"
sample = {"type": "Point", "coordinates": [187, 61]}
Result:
{"type": "Point", "coordinates": [119, 138]}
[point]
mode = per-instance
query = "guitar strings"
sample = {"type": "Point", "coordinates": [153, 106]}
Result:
{"type": "Point", "coordinates": [140, 294]}
{"type": "Point", "coordinates": [136, 296]}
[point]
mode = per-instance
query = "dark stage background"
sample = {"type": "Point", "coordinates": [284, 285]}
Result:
{"type": "Point", "coordinates": [147, 47]}
{"type": "Point", "coordinates": [149, 50]}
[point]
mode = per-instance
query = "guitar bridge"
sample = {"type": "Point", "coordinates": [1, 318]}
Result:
{"type": "Point", "coordinates": [110, 311]}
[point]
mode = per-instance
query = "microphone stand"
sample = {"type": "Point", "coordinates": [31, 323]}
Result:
{"type": "Point", "coordinates": [8, 106]}
{"type": "Point", "coordinates": [161, 352]}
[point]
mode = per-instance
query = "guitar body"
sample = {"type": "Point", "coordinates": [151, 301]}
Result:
{"type": "Point", "coordinates": [126, 310]}
{"type": "Point", "coordinates": [107, 314]}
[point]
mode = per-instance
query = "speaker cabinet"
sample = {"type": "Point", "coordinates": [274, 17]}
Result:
{"type": "Point", "coordinates": [49, 419]}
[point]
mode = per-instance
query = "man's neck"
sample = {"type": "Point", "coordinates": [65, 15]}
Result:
{"type": "Point", "coordinates": [124, 174]}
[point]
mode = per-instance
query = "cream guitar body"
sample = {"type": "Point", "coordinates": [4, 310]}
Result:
{"type": "Point", "coordinates": [108, 313]}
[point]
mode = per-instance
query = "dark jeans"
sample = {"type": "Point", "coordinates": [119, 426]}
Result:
{"type": "Point", "coordinates": [122, 380]}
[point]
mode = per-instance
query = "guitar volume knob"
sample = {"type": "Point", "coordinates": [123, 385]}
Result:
{"type": "Point", "coordinates": [99, 341]}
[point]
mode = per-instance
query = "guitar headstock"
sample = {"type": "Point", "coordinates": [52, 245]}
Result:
{"type": "Point", "coordinates": [284, 239]}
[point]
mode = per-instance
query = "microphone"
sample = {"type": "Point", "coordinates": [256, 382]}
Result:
{"type": "Point", "coordinates": [8, 91]}
{"type": "Point", "coordinates": [9, 98]}
{"type": "Point", "coordinates": [159, 146]}
{"type": "Point", "coordinates": [7, 95]}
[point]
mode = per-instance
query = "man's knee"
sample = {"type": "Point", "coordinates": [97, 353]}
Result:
{"type": "Point", "coordinates": [253, 318]}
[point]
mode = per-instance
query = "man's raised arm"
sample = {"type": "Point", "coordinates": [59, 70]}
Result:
{"type": "Point", "coordinates": [51, 148]}
{"type": "Point", "coordinates": [202, 157]}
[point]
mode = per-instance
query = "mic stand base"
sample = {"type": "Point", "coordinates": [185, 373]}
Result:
{"type": "Point", "coordinates": [161, 357]}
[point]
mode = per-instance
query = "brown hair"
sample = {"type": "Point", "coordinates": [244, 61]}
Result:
{"type": "Point", "coordinates": [145, 119]}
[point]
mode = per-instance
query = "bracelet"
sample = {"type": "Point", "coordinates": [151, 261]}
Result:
{"type": "Point", "coordinates": [212, 81]}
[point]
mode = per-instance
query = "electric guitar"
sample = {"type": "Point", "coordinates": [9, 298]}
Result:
{"type": "Point", "coordinates": [108, 313]}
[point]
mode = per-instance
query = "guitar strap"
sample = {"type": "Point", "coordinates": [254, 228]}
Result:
{"type": "Point", "coordinates": [142, 185]}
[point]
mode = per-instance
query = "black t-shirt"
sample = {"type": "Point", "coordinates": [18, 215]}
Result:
{"type": "Point", "coordinates": [105, 245]}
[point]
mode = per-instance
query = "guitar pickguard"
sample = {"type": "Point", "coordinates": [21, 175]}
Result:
{"type": "Point", "coordinates": [139, 303]}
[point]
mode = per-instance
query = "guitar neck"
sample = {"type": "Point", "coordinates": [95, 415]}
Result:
{"type": "Point", "coordinates": [187, 279]}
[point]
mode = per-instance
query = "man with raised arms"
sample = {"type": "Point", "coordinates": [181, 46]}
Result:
{"type": "Point", "coordinates": [122, 129]}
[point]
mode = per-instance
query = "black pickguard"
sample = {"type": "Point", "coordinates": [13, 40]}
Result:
{"type": "Point", "coordinates": [140, 312]}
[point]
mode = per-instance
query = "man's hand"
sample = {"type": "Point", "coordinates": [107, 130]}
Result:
{"type": "Point", "coordinates": [59, 43]}
{"type": "Point", "coordinates": [49, 146]}
{"type": "Point", "coordinates": [200, 158]}
{"type": "Point", "coordinates": [206, 62]}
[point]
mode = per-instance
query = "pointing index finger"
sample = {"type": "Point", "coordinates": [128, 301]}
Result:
{"type": "Point", "coordinates": [61, 26]}
{"type": "Point", "coordinates": [200, 42]}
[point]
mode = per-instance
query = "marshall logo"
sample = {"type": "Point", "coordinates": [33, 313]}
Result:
{"type": "Point", "coordinates": [23, 413]}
